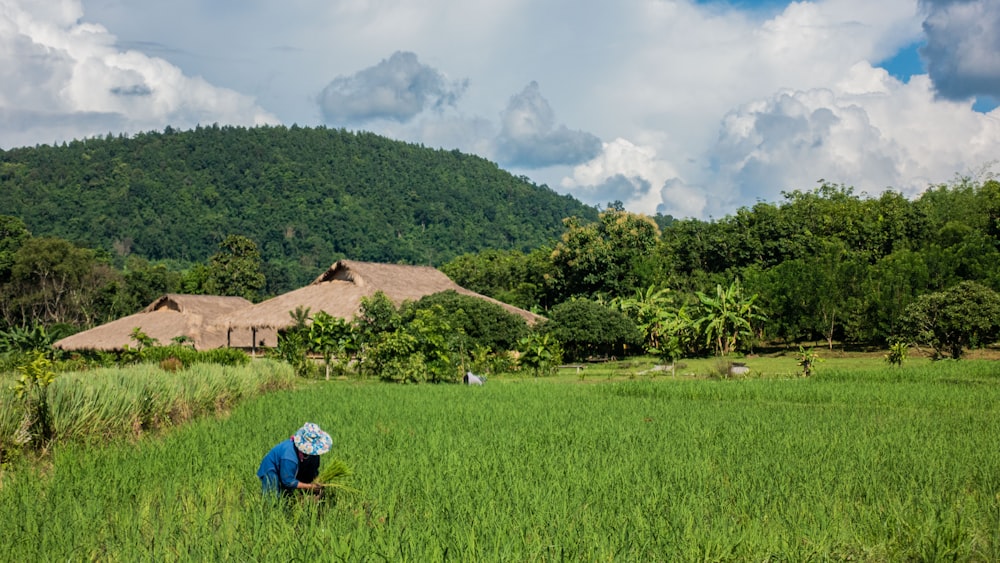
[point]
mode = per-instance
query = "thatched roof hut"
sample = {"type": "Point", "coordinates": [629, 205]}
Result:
{"type": "Point", "coordinates": [339, 290]}
{"type": "Point", "coordinates": [170, 316]}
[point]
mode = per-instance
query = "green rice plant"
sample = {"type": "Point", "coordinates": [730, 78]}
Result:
{"type": "Point", "coordinates": [887, 464]}
{"type": "Point", "coordinates": [334, 476]}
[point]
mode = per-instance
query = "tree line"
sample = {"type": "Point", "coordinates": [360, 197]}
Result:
{"type": "Point", "coordinates": [821, 266]}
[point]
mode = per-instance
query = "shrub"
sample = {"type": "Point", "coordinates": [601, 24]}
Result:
{"type": "Point", "coordinates": [587, 328]}
{"type": "Point", "coordinates": [897, 353]}
{"type": "Point", "coordinates": [966, 315]}
{"type": "Point", "coordinates": [480, 322]}
{"type": "Point", "coordinates": [540, 353]}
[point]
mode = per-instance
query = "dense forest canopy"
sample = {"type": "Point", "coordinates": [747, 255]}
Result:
{"type": "Point", "coordinates": [305, 196]}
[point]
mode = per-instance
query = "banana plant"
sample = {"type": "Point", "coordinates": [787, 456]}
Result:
{"type": "Point", "coordinates": [726, 319]}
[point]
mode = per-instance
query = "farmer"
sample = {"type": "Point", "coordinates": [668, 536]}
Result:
{"type": "Point", "coordinates": [294, 463]}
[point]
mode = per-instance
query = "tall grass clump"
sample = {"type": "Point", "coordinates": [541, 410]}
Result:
{"type": "Point", "coordinates": [113, 402]}
{"type": "Point", "coordinates": [15, 423]}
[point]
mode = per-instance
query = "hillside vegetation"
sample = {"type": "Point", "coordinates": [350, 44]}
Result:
{"type": "Point", "coordinates": [305, 196]}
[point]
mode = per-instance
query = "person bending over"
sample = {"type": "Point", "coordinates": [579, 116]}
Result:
{"type": "Point", "coordinates": [294, 463]}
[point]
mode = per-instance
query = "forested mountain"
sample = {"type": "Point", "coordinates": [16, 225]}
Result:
{"type": "Point", "coordinates": [305, 196]}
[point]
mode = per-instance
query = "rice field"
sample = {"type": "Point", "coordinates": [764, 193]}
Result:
{"type": "Point", "coordinates": [868, 466]}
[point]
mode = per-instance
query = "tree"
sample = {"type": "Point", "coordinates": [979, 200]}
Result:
{"type": "Point", "coordinates": [610, 257]}
{"type": "Point", "coordinates": [667, 328]}
{"type": "Point", "coordinates": [235, 269]}
{"type": "Point", "coordinates": [540, 352]}
{"type": "Point", "coordinates": [53, 281]}
{"type": "Point", "coordinates": [331, 336]}
{"type": "Point", "coordinates": [13, 235]}
{"type": "Point", "coordinates": [963, 316]}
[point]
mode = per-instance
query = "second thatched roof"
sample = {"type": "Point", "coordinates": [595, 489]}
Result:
{"type": "Point", "coordinates": [172, 315]}
{"type": "Point", "coordinates": [339, 291]}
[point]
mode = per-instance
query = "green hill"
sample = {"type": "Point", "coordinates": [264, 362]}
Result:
{"type": "Point", "coordinates": [306, 196]}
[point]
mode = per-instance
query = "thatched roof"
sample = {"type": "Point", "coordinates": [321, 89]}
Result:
{"type": "Point", "coordinates": [339, 290]}
{"type": "Point", "coordinates": [172, 315]}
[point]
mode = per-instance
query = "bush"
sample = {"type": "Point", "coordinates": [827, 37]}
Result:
{"type": "Point", "coordinates": [587, 328]}
{"type": "Point", "coordinates": [964, 316]}
{"type": "Point", "coordinates": [481, 322]}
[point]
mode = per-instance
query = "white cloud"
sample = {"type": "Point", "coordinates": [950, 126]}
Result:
{"type": "Point", "coordinates": [623, 171]}
{"type": "Point", "coordinates": [870, 131]}
{"type": "Point", "coordinates": [62, 79]}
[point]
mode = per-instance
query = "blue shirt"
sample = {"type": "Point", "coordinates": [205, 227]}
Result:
{"type": "Point", "coordinates": [279, 467]}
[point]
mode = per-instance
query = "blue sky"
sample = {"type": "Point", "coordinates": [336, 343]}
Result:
{"type": "Point", "coordinates": [682, 107]}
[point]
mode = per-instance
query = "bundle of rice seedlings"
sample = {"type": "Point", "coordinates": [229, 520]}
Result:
{"type": "Point", "coordinates": [334, 476]}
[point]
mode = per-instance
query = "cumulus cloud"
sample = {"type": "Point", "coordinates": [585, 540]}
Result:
{"type": "Point", "coordinates": [530, 138]}
{"type": "Point", "coordinates": [861, 132]}
{"type": "Point", "coordinates": [963, 47]}
{"type": "Point", "coordinates": [397, 88]}
{"type": "Point", "coordinates": [682, 200]}
{"type": "Point", "coordinates": [62, 79]}
{"type": "Point", "coordinates": [622, 171]}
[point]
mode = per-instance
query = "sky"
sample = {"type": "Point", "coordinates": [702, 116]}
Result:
{"type": "Point", "coordinates": [681, 107]}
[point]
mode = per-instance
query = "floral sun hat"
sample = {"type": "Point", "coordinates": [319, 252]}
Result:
{"type": "Point", "coordinates": [310, 440]}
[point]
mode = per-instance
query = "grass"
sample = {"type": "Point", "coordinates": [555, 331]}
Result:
{"type": "Point", "coordinates": [886, 464]}
{"type": "Point", "coordinates": [108, 403]}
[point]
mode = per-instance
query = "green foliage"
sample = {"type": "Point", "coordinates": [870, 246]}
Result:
{"type": "Point", "coordinates": [334, 476]}
{"type": "Point", "coordinates": [393, 356]}
{"type": "Point", "coordinates": [188, 356]}
{"type": "Point", "coordinates": [897, 353]}
{"type": "Point", "coordinates": [332, 337]}
{"type": "Point", "coordinates": [528, 281]}
{"type": "Point", "coordinates": [586, 328]}
{"type": "Point", "coordinates": [606, 258]}
{"type": "Point", "coordinates": [807, 360]}
{"type": "Point", "coordinates": [36, 339]}
{"type": "Point", "coordinates": [13, 234]}
{"type": "Point", "coordinates": [142, 340]}
{"type": "Point", "coordinates": [669, 331]}
{"type": "Point", "coordinates": [425, 348]}
{"type": "Point", "coordinates": [540, 353]}
{"type": "Point", "coordinates": [235, 269]}
{"type": "Point", "coordinates": [293, 344]}
{"type": "Point", "coordinates": [15, 425]}
{"type": "Point", "coordinates": [31, 390]}
{"type": "Point", "coordinates": [378, 315]}
{"type": "Point", "coordinates": [727, 319]}
{"type": "Point", "coordinates": [36, 375]}
{"type": "Point", "coordinates": [53, 281]}
{"type": "Point", "coordinates": [963, 316]}
{"type": "Point", "coordinates": [475, 321]}
{"type": "Point", "coordinates": [585, 470]}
